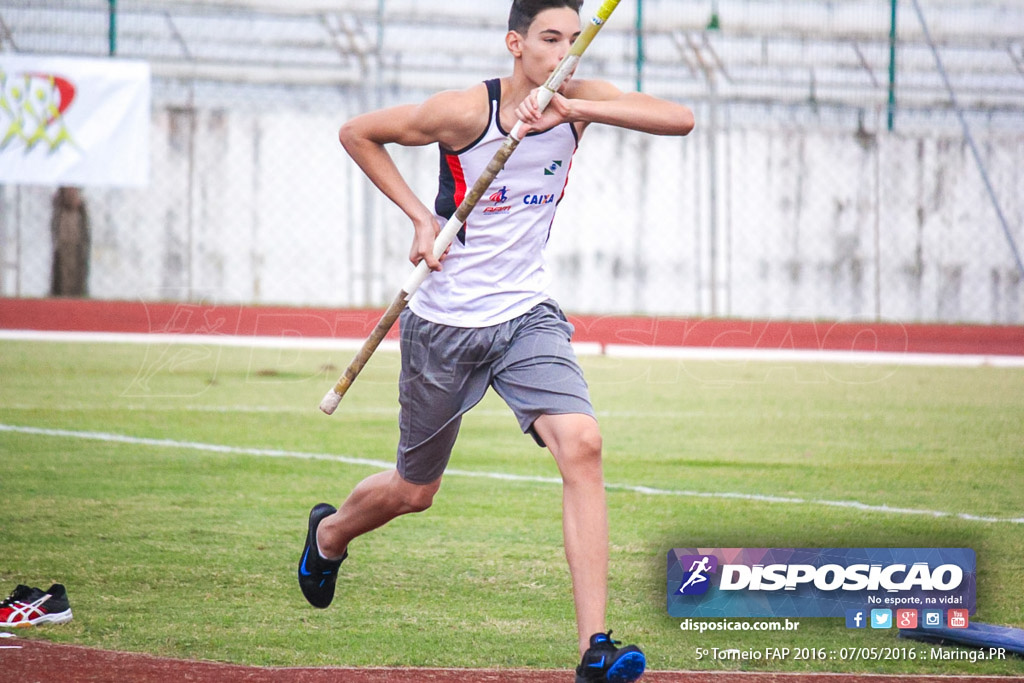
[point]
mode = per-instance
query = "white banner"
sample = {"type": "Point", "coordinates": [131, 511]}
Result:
{"type": "Point", "coordinates": [67, 121]}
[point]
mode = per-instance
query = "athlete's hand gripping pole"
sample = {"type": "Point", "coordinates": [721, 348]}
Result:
{"type": "Point", "coordinates": [444, 238]}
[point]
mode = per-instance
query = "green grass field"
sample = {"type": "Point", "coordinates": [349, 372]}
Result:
{"type": "Point", "coordinates": [182, 539]}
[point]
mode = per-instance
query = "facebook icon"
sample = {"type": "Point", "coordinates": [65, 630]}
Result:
{"type": "Point", "coordinates": [856, 618]}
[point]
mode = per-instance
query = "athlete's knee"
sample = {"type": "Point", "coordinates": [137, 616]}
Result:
{"type": "Point", "coordinates": [586, 446]}
{"type": "Point", "coordinates": [591, 443]}
{"type": "Point", "coordinates": [581, 456]}
{"type": "Point", "coordinates": [418, 500]}
{"type": "Point", "coordinates": [418, 497]}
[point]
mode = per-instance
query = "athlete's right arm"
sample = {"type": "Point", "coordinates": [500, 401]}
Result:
{"type": "Point", "coordinates": [447, 118]}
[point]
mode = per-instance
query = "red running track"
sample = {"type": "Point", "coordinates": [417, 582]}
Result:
{"type": "Point", "coordinates": [183, 318]}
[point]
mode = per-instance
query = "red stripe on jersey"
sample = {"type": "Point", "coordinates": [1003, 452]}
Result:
{"type": "Point", "coordinates": [458, 176]}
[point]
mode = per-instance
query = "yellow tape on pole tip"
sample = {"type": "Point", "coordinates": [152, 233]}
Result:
{"type": "Point", "coordinates": [605, 10]}
{"type": "Point", "coordinates": [596, 23]}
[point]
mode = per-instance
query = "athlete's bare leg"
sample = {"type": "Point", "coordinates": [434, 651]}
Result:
{"type": "Point", "coordinates": [575, 441]}
{"type": "Point", "coordinates": [374, 502]}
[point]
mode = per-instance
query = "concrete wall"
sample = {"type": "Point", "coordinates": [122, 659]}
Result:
{"type": "Point", "coordinates": [764, 213]}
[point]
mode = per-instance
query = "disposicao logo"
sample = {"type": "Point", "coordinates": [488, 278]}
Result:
{"type": "Point", "coordinates": [696, 580]}
{"type": "Point", "coordinates": [817, 582]}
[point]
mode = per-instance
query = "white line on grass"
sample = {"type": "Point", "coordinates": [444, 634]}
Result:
{"type": "Point", "coordinates": [380, 464]}
{"type": "Point", "coordinates": [730, 355]}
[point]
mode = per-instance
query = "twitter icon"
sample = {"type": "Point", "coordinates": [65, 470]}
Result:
{"type": "Point", "coordinates": [881, 618]}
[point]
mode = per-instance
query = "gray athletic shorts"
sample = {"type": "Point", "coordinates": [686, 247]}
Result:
{"type": "Point", "coordinates": [447, 370]}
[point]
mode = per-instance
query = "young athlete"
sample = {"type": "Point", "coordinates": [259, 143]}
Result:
{"type": "Point", "coordinates": [483, 317]}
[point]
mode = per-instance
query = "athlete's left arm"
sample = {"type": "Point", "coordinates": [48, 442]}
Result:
{"type": "Point", "coordinates": [583, 102]}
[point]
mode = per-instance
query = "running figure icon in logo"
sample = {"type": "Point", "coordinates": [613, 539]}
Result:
{"type": "Point", "coordinates": [696, 582]}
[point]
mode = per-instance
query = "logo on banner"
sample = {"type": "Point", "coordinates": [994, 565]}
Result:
{"type": "Point", "coordinates": [856, 618]}
{"type": "Point", "coordinates": [32, 107]}
{"type": "Point", "coordinates": [74, 121]}
{"type": "Point", "coordinates": [864, 584]}
{"type": "Point", "coordinates": [906, 618]}
{"type": "Point", "coordinates": [958, 618]}
{"type": "Point", "coordinates": [696, 581]}
{"type": "Point", "coordinates": [881, 618]}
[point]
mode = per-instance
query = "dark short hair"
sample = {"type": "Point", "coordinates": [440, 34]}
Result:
{"type": "Point", "coordinates": [525, 11]}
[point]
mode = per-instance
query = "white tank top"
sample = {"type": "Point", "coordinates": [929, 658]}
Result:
{"type": "Point", "coordinates": [495, 270]}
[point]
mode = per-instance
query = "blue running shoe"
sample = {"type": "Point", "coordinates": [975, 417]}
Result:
{"type": "Point", "coordinates": [603, 662]}
{"type": "Point", "coordinates": [317, 576]}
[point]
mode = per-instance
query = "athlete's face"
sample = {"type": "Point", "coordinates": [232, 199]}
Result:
{"type": "Point", "coordinates": [548, 40]}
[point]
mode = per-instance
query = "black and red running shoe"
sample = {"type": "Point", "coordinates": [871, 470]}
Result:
{"type": "Point", "coordinates": [26, 607]}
